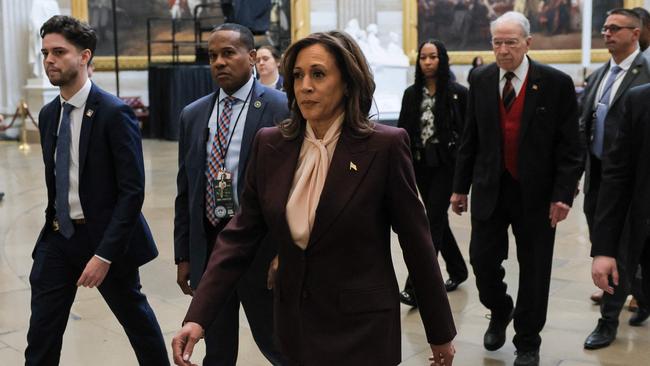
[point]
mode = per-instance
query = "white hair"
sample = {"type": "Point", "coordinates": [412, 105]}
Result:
{"type": "Point", "coordinates": [514, 17]}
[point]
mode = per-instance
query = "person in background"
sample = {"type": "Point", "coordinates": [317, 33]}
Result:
{"type": "Point", "coordinates": [94, 234]}
{"type": "Point", "coordinates": [336, 295]}
{"type": "Point", "coordinates": [267, 63]}
{"type": "Point", "coordinates": [215, 143]}
{"type": "Point", "coordinates": [644, 37]}
{"type": "Point", "coordinates": [476, 62]}
{"type": "Point", "coordinates": [433, 114]}
{"type": "Point", "coordinates": [602, 113]}
{"type": "Point", "coordinates": [521, 155]}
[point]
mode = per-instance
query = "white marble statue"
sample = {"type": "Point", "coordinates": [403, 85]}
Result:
{"type": "Point", "coordinates": [42, 10]}
{"type": "Point", "coordinates": [377, 52]}
{"type": "Point", "coordinates": [396, 55]}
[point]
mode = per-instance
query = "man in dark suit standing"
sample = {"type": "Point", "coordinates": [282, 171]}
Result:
{"type": "Point", "coordinates": [520, 153]}
{"type": "Point", "coordinates": [624, 198]}
{"type": "Point", "coordinates": [600, 119]}
{"type": "Point", "coordinates": [94, 233]}
{"type": "Point", "coordinates": [217, 132]}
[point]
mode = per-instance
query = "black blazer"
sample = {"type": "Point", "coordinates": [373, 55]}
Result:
{"type": "Point", "coordinates": [266, 108]}
{"type": "Point", "coordinates": [638, 74]}
{"type": "Point", "coordinates": [450, 126]}
{"type": "Point", "coordinates": [550, 156]}
{"type": "Point", "coordinates": [111, 177]}
{"type": "Point", "coordinates": [626, 182]}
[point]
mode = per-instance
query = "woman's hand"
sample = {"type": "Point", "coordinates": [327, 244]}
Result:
{"type": "Point", "coordinates": [442, 354]}
{"type": "Point", "coordinates": [184, 342]}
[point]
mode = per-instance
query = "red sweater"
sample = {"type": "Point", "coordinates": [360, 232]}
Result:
{"type": "Point", "coordinates": [510, 126]}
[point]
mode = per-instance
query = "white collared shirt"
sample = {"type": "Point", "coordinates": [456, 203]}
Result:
{"type": "Point", "coordinates": [76, 117]}
{"type": "Point", "coordinates": [520, 75]}
{"type": "Point", "coordinates": [236, 131]}
{"type": "Point", "coordinates": [625, 66]}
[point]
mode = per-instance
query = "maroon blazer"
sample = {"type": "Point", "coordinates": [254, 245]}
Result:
{"type": "Point", "coordinates": [336, 303]}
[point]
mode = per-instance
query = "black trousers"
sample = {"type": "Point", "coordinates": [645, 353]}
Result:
{"type": "Point", "coordinates": [222, 337]}
{"type": "Point", "coordinates": [58, 264]}
{"type": "Point", "coordinates": [611, 305]}
{"type": "Point", "coordinates": [488, 248]}
{"type": "Point", "coordinates": [435, 186]}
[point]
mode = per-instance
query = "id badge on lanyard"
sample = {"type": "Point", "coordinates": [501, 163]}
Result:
{"type": "Point", "coordinates": [223, 195]}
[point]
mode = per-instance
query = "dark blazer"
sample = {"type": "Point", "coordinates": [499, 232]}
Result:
{"type": "Point", "coordinates": [550, 157]}
{"type": "Point", "coordinates": [638, 74]}
{"type": "Point", "coordinates": [111, 177]}
{"type": "Point", "coordinates": [336, 303]}
{"type": "Point", "coordinates": [449, 131]}
{"type": "Point", "coordinates": [626, 182]}
{"type": "Point", "coordinates": [266, 108]}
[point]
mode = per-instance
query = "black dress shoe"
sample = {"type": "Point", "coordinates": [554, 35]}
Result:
{"type": "Point", "coordinates": [639, 317]}
{"type": "Point", "coordinates": [452, 284]}
{"type": "Point", "coordinates": [495, 336]}
{"type": "Point", "coordinates": [527, 358]}
{"type": "Point", "coordinates": [602, 336]}
{"type": "Point", "coordinates": [408, 298]}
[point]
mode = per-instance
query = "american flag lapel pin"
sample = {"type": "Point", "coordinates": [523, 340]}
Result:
{"type": "Point", "coordinates": [89, 113]}
{"type": "Point", "coordinates": [353, 166]}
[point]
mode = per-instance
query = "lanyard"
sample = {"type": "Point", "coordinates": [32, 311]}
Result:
{"type": "Point", "coordinates": [225, 152]}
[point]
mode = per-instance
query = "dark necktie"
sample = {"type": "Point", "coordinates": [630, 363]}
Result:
{"type": "Point", "coordinates": [62, 171]}
{"type": "Point", "coordinates": [509, 95]}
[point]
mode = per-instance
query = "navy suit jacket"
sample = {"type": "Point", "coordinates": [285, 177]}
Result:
{"type": "Point", "coordinates": [111, 178]}
{"type": "Point", "coordinates": [266, 108]}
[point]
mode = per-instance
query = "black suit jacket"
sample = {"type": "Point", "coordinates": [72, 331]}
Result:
{"type": "Point", "coordinates": [452, 127]}
{"type": "Point", "coordinates": [111, 177]}
{"type": "Point", "coordinates": [550, 157]}
{"type": "Point", "coordinates": [266, 108]}
{"type": "Point", "coordinates": [638, 74]}
{"type": "Point", "coordinates": [626, 182]}
{"type": "Point", "coordinates": [336, 303]}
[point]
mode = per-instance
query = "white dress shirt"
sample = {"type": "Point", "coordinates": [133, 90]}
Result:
{"type": "Point", "coordinates": [236, 131]}
{"type": "Point", "coordinates": [625, 66]}
{"type": "Point", "coordinates": [520, 75]}
{"type": "Point", "coordinates": [76, 117]}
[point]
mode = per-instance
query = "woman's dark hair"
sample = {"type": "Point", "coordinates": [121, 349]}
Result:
{"type": "Point", "coordinates": [355, 72]}
{"type": "Point", "coordinates": [73, 30]}
{"type": "Point", "coordinates": [442, 107]}
{"type": "Point", "coordinates": [273, 50]}
{"type": "Point", "coordinates": [475, 61]}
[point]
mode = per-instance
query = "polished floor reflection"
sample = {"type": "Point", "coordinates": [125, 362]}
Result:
{"type": "Point", "coordinates": [94, 337]}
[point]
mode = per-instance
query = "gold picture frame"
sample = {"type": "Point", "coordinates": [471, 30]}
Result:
{"type": "Point", "coordinates": [300, 27]}
{"type": "Point", "coordinates": [410, 42]}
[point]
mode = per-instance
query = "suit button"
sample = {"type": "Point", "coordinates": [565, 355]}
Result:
{"type": "Point", "coordinates": [305, 294]}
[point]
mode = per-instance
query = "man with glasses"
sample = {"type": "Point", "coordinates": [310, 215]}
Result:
{"type": "Point", "coordinates": [599, 122]}
{"type": "Point", "coordinates": [520, 153]}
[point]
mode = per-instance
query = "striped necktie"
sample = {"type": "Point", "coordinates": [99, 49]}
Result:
{"type": "Point", "coordinates": [509, 95]}
{"type": "Point", "coordinates": [217, 158]}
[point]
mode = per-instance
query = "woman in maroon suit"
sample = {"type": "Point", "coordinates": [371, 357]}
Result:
{"type": "Point", "coordinates": [327, 186]}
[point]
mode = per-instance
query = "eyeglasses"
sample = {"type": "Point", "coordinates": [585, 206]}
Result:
{"type": "Point", "coordinates": [613, 28]}
{"type": "Point", "coordinates": [509, 43]}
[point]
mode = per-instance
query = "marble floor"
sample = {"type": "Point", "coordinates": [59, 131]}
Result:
{"type": "Point", "coordinates": [94, 337]}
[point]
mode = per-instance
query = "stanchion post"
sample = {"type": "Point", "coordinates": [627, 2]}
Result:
{"type": "Point", "coordinates": [22, 110]}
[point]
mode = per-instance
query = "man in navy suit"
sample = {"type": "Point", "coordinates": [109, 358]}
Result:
{"type": "Point", "coordinates": [216, 135]}
{"type": "Point", "coordinates": [94, 233]}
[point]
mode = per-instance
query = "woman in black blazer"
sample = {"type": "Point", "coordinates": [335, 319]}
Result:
{"type": "Point", "coordinates": [433, 112]}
